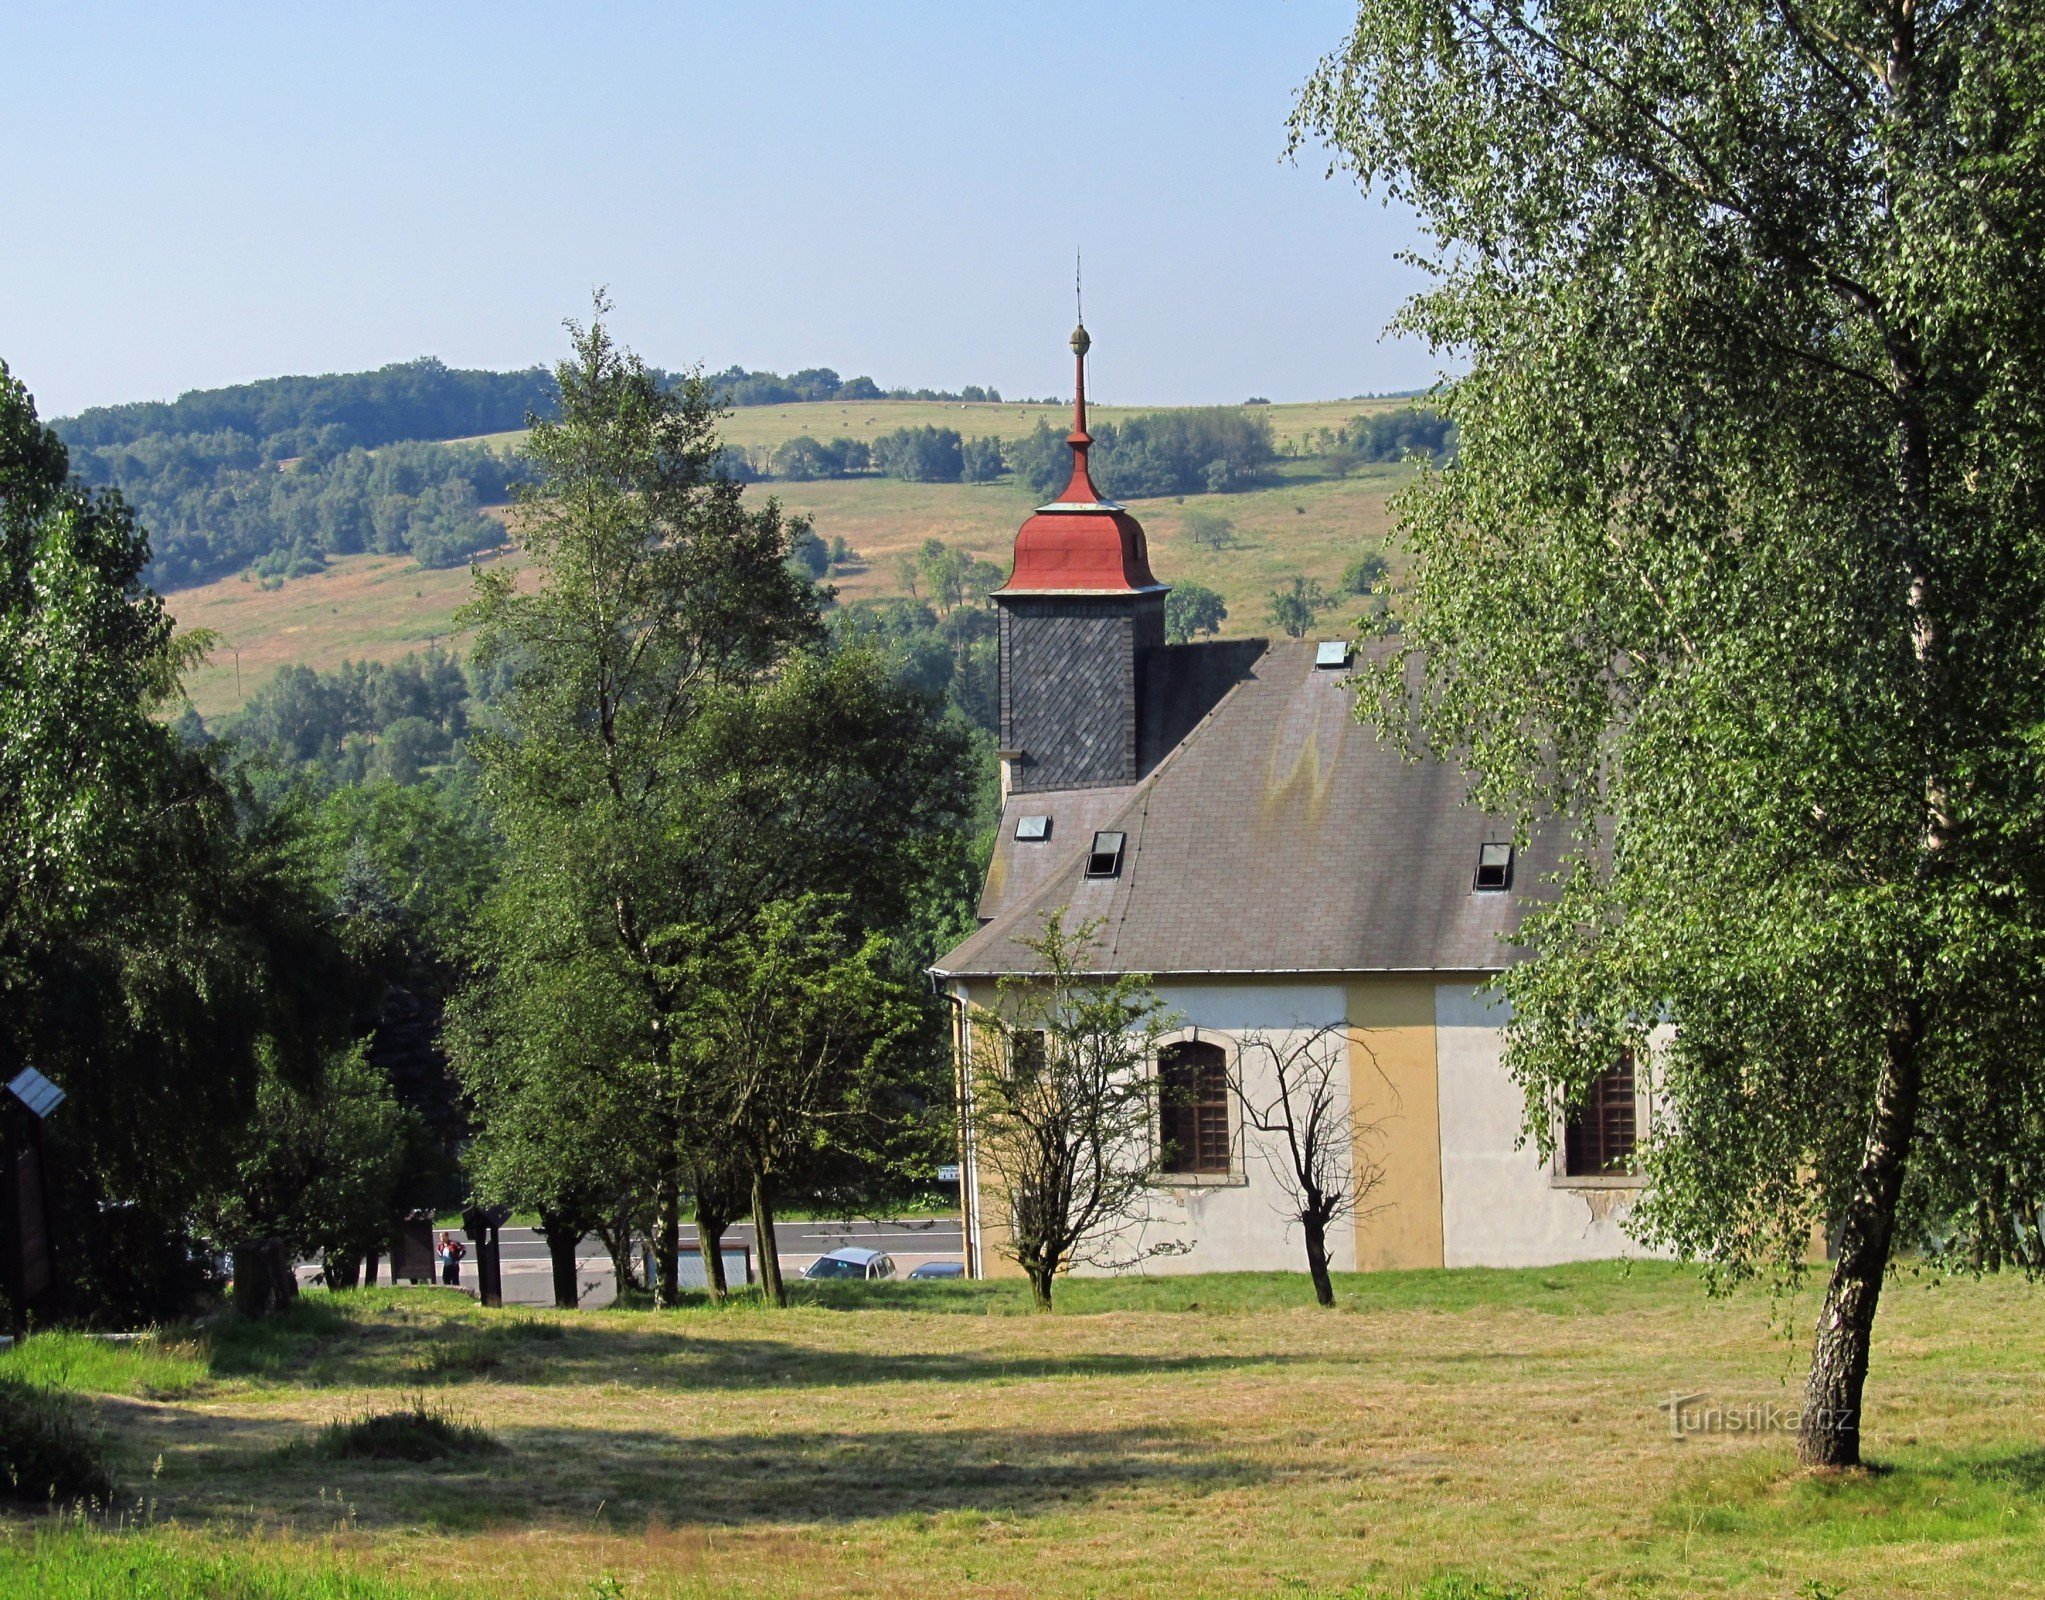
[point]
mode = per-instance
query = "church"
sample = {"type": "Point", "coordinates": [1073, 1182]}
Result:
{"type": "Point", "coordinates": [1288, 882]}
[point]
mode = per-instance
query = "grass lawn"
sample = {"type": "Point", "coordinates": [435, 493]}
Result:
{"type": "Point", "coordinates": [1450, 1434]}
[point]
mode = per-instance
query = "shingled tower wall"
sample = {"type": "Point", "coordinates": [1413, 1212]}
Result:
{"type": "Point", "coordinates": [1079, 612]}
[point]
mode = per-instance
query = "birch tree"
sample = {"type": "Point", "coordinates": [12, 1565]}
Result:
{"type": "Point", "coordinates": [1741, 567]}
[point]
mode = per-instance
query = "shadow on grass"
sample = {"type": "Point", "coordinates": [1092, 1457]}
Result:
{"type": "Point", "coordinates": [260, 1472]}
{"type": "Point", "coordinates": [1579, 1287]}
{"type": "Point", "coordinates": [412, 1339]}
{"type": "Point", "coordinates": [660, 1357]}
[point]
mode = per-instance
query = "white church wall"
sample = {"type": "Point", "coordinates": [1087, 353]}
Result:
{"type": "Point", "coordinates": [1502, 1205]}
{"type": "Point", "coordinates": [1244, 1223]}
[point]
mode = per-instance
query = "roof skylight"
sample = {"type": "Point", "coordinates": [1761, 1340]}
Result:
{"type": "Point", "coordinates": [1332, 653]}
{"type": "Point", "coordinates": [1494, 866]}
{"type": "Point", "coordinates": [1104, 860]}
{"type": "Point", "coordinates": [1033, 830]}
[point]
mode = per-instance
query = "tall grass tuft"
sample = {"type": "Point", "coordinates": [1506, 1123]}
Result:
{"type": "Point", "coordinates": [48, 1455]}
{"type": "Point", "coordinates": [68, 1562]}
{"type": "Point", "coordinates": [421, 1431]}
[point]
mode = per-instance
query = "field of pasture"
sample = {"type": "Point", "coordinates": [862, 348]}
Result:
{"type": "Point", "coordinates": [1462, 1434]}
{"type": "Point", "coordinates": [379, 607]}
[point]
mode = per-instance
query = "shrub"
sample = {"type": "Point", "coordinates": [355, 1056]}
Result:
{"type": "Point", "coordinates": [47, 1453]}
{"type": "Point", "coordinates": [1210, 530]}
{"type": "Point", "coordinates": [1364, 574]}
{"type": "Point", "coordinates": [1295, 609]}
{"type": "Point", "coordinates": [417, 1432]}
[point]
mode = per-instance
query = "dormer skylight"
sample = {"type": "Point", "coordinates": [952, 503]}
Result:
{"type": "Point", "coordinates": [1033, 830]}
{"type": "Point", "coordinates": [1494, 867]}
{"type": "Point", "coordinates": [1104, 860]}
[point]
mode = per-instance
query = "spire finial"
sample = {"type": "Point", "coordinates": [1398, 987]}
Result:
{"type": "Point", "coordinates": [1080, 345]}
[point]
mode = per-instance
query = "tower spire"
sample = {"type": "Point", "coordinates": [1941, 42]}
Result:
{"type": "Point", "coordinates": [1081, 490]}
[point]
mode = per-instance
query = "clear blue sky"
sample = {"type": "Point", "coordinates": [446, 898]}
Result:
{"type": "Point", "coordinates": [197, 194]}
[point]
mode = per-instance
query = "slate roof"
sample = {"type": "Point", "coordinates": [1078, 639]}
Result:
{"type": "Point", "coordinates": [1277, 836]}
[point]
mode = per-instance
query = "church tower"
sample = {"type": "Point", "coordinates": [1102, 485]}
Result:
{"type": "Point", "coordinates": [1080, 615]}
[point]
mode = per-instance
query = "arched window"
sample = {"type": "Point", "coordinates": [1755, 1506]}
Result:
{"type": "Point", "coordinates": [1598, 1140]}
{"type": "Point", "coordinates": [1193, 1107]}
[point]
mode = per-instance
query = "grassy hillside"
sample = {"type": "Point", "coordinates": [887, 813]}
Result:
{"type": "Point", "coordinates": [380, 607]}
{"type": "Point", "coordinates": [1439, 1436]}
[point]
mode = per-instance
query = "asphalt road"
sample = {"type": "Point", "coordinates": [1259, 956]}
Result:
{"type": "Point", "coordinates": [528, 1278]}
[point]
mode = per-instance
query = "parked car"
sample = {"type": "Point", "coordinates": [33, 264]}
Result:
{"type": "Point", "coordinates": [939, 1269]}
{"type": "Point", "coordinates": [851, 1262]}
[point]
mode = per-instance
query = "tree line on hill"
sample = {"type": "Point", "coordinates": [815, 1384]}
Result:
{"type": "Point", "coordinates": [1201, 450]}
{"type": "Point", "coordinates": [423, 399]}
{"type": "Point", "coordinates": [218, 503]}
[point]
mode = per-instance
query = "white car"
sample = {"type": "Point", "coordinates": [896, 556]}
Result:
{"type": "Point", "coordinates": [851, 1262]}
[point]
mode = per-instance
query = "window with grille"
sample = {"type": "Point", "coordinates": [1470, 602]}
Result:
{"type": "Point", "coordinates": [1193, 1107]}
{"type": "Point", "coordinates": [1599, 1139]}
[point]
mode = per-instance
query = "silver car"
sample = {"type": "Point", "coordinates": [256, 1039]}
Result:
{"type": "Point", "coordinates": [851, 1262]}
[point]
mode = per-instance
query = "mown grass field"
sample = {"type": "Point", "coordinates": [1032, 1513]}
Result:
{"type": "Point", "coordinates": [380, 607]}
{"type": "Point", "coordinates": [1450, 1434]}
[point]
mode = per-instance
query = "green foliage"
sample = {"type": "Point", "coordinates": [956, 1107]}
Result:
{"type": "Point", "coordinates": [737, 387]}
{"type": "Point", "coordinates": [1394, 435]}
{"type": "Point", "coordinates": [48, 1456]}
{"type": "Point", "coordinates": [1065, 1105]}
{"type": "Point", "coordinates": [809, 553]}
{"type": "Point", "coordinates": [1166, 452]}
{"type": "Point", "coordinates": [220, 502]}
{"type": "Point", "coordinates": [1295, 610]}
{"type": "Point", "coordinates": [362, 720]}
{"type": "Point", "coordinates": [793, 1030]}
{"type": "Point", "coordinates": [1363, 575]}
{"type": "Point", "coordinates": [674, 752]}
{"type": "Point", "coordinates": [955, 657]}
{"type": "Point", "coordinates": [423, 1430]}
{"type": "Point", "coordinates": [161, 938]}
{"type": "Point", "coordinates": [1740, 569]}
{"type": "Point", "coordinates": [948, 578]}
{"type": "Point", "coordinates": [321, 1164]}
{"type": "Point", "coordinates": [981, 460]}
{"type": "Point", "coordinates": [1209, 530]}
{"type": "Point", "coordinates": [408, 400]}
{"type": "Point", "coordinates": [920, 455]}
{"type": "Point", "coordinates": [803, 459]}
{"type": "Point", "coordinates": [1192, 608]}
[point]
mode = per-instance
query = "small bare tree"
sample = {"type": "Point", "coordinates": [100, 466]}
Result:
{"type": "Point", "coordinates": [1289, 1086]}
{"type": "Point", "coordinates": [1063, 1104]}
